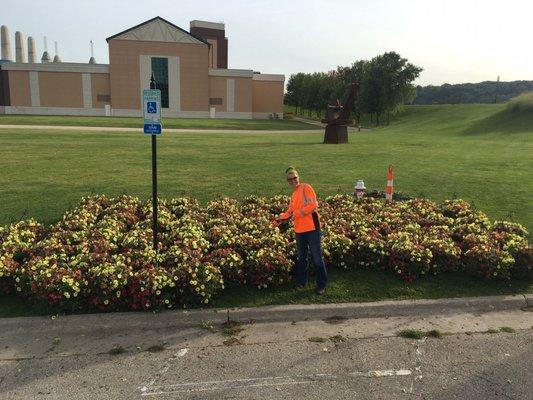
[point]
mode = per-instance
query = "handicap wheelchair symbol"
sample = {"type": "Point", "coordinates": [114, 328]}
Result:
{"type": "Point", "coordinates": [151, 107]}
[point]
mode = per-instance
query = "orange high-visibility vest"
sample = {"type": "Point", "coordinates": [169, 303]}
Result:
{"type": "Point", "coordinates": [304, 208]}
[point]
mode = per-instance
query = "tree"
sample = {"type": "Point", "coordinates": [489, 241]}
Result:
{"type": "Point", "coordinates": [388, 79]}
{"type": "Point", "coordinates": [385, 83]}
{"type": "Point", "coordinates": [294, 90]}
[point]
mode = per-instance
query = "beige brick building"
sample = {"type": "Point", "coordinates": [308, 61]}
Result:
{"type": "Point", "coordinates": [190, 68]}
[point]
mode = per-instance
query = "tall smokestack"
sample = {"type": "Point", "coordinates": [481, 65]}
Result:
{"type": "Point", "coordinates": [56, 58]}
{"type": "Point", "coordinates": [31, 51]}
{"type": "Point", "coordinates": [6, 46]}
{"type": "Point", "coordinates": [46, 57]}
{"type": "Point", "coordinates": [19, 48]}
{"type": "Point", "coordinates": [92, 60]}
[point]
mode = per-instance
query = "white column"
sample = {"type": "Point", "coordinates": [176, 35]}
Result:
{"type": "Point", "coordinates": [87, 91]}
{"type": "Point", "coordinates": [34, 89]}
{"type": "Point", "coordinates": [230, 95]}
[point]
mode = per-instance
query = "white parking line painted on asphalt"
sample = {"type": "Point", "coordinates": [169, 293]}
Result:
{"type": "Point", "coordinates": [266, 381]}
{"type": "Point", "coordinates": [182, 352]}
{"type": "Point", "coordinates": [418, 364]}
{"type": "Point", "coordinates": [163, 371]}
{"type": "Point", "coordinates": [383, 373]}
{"type": "Point", "coordinates": [229, 384]}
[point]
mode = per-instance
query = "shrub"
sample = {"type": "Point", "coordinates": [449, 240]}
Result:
{"type": "Point", "coordinates": [523, 267]}
{"type": "Point", "coordinates": [523, 102]}
{"type": "Point", "coordinates": [230, 263]}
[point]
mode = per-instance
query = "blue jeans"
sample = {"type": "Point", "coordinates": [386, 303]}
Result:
{"type": "Point", "coordinates": [304, 242]}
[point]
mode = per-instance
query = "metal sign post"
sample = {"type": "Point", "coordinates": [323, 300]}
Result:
{"type": "Point", "coordinates": [153, 127]}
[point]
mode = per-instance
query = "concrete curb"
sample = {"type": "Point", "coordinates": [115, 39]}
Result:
{"type": "Point", "coordinates": [529, 299]}
{"type": "Point", "coordinates": [181, 319]}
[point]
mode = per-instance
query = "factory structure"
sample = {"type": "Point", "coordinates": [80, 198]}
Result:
{"type": "Point", "coordinates": [190, 69]}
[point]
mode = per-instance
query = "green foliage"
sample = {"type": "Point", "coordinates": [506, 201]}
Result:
{"type": "Point", "coordinates": [411, 334]}
{"type": "Point", "coordinates": [483, 92]}
{"type": "Point", "coordinates": [156, 348]}
{"type": "Point", "coordinates": [337, 339]}
{"type": "Point", "coordinates": [524, 102]}
{"type": "Point", "coordinates": [207, 325]}
{"type": "Point", "coordinates": [115, 351]}
{"type": "Point", "coordinates": [507, 329]}
{"type": "Point", "coordinates": [385, 83]}
{"type": "Point", "coordinates": [435, 333]}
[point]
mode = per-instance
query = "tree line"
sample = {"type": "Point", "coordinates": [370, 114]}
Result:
{"type": "Point", "coordinates": [385, 83]}
{"type": "Point", "coordinates": [483, 92]}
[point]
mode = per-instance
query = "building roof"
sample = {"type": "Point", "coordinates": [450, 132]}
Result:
{"type": "Point", "coordinates": [160, 30]}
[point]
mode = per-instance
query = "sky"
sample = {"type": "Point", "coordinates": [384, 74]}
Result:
{"type": "Point", "coordinates": [453, 41]}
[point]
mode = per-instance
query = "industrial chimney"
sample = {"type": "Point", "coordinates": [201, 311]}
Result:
{"type": "Point", "coordinates": [6, 46]}
{"type": "Point", "coordinates": [56, 57]}
{"type": "Point", "coordinates": [20, 57]}
{"type": "Point", "coordinates": [31, 50]}
{"type": "Point", "coordinates": [46, 57]}
{"type": "Point", "coordinates": [92, 60]}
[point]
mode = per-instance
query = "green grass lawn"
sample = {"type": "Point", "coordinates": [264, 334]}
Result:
{"type": "Point", "coordinates": [178, 123]}
{"type": "Point", "coordinates": [476, 152]}
{"type": "Point", "coordinates": [363, 286]}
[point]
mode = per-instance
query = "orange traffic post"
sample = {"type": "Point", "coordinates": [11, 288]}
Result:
{"type": "Point", "coordinates": [388, 191]}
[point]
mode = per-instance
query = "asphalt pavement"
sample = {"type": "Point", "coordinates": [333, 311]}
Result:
{"type": "Point", "coordinates": [344, 351]}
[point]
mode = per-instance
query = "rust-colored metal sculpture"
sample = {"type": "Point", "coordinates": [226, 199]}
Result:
{"type": "Point", "coordinates": [338, 117]}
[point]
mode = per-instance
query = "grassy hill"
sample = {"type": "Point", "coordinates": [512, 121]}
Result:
{"type": "Point", "coordinates": [481, 153]}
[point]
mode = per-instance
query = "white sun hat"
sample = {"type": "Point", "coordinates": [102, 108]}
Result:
{"type": "Point", "coordinates": [360, 185]}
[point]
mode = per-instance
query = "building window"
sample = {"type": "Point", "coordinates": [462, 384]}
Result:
{"type": "Point", "coordinates": [160, 71]}
{"type": "Point", "coordinates": [104, 98]}
{"type": "Point", "coordinates": [215, 101]}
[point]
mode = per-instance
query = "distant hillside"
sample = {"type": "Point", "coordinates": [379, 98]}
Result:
{"type": "Point", "coordinates": [483, 92]}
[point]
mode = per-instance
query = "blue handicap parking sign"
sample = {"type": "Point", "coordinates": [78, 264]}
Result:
{"type": "Point", "coordinates": [151, 107]}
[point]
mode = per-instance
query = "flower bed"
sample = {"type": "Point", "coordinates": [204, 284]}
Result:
{"type": "Point", "coordinates": [100, 255]}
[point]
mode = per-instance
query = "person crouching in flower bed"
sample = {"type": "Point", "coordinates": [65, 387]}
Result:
{"type": "Point", "coordinates": [303, 207]}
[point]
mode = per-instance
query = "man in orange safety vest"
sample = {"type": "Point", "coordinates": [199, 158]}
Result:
{"type": "Point", "coordinates": [303, 208]}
